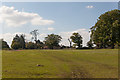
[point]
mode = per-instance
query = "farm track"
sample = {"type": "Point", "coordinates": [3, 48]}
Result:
{"type": "Point", "coordinates": [79, 71]}
{"type": "Point", "coordinates": [76, 71]}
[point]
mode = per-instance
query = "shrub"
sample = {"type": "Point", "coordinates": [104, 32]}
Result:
{"type": "Point", "coordinates": [30, 45]}
{"type": "Point", "coordinates": [16, 45]}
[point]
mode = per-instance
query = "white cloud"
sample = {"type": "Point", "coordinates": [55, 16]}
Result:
{"type": "Point", "coordinates": [83, 32]}
{"type": "Point", "coordinates": [15, 18]}
{"type": "Point", "coordinates": [38, 21]}
{"type": "Point", "coordinates": [51, 29]}
{"type": "Point", "coordinates": [89, 6]}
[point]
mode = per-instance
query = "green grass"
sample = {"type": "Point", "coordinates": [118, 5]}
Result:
{"type": "Point", "coordinates": [60, 63]}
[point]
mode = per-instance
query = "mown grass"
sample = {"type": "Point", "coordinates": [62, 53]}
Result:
{"type": "Point", "coordinates": [60, 63]}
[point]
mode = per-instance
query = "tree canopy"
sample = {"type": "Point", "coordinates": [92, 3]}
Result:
{"type": "Point", "coordinates": [52, 40]}
{"type": "Point", "coordinates": [77, 39]}
{"type": "Point", "coordinates": [3, 44]}
{"type": "Point", "coordinates": [34, 34]}
{"type": "Point", "coordinates": [18, 42]}
{"type": "Point", "coordinates": [106, 32]}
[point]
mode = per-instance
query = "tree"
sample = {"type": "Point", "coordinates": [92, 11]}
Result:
{"type": "Point", "coordinates": [74, 45]}
{"type": "Point", "coordinates": [22, 41]}
{"type": "Point", "coordinates": [90, 44]}
{"type": "Point", "coordinates": [70, 42]}
{"type": "Point", "coordinates": [52, 40]}
{"type": "Point", "coordinates": [30, 45]}
{"type": "Point", "coordinates": [39, 44]}
{"type": "Point", "coordinates": [16, 38]}
{"type": "Point", "coordinates": [18, 42]}
{"type": "Point", "coordinates": [3, 44]}
{"type": "Point", "coordinates": [77, 39]}
{"type": "Point", "coordinates": [15, 45]}
{"type": "Point", "coordinates": [106, 31]}
{"type": "Point", "coordinates": [34, 34]}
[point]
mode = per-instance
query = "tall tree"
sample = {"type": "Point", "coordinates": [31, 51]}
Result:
{"type": "Point", "coordinates": [16, 38]}
{"type": "Point", "coordinates": [77, 39]}
{"type": "Point", "coordinates": [22, 41]}
{"type": "Point", "coordinates": [70, 42]}
{"type": "Point", "coordinates": [34, 34]}
{"type": "Point", "coordinates": [52, 40]}
{"type": "Point", "coordinates": [106, 31]}
{"type": "Point", "coordinates": [18, 42]}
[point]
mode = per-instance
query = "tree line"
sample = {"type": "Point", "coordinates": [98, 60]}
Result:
{"type": "Point", "coordinates": [50, 42]}
{"type": "Point", "coordinates": [104, 34]}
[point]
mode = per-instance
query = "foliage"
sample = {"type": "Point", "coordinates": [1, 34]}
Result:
{"type": "Point", "coordinates": [16, 45]}
{"type": "Point", "coordinates": [18, 42]}
{"type": "Point", "coordinates": [106, 32]}
{"type": "Point", "coordinates": [52, 40]}
{"type": "Point", "coordinates": [39, 44]}
{"type": "Point", "coordinates": [70, 42]}
{"type": "Point", "coordinates": [34, 33]}
{"type": "Point", "coordinates": [22, 41]}
{"type": "Point", "coordinates": [90, 44]}
{"type": "Point", "coordinates": [3, 44]}
{"type": "Point", "coordinates": [30, 45]}
{"type": "Point", "coordinates": [77, 39]}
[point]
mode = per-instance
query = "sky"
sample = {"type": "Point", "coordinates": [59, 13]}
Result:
{"type": "Point", "coordinates": [62, 18]}
{"type": "Point", "coordinates": [59, 0]}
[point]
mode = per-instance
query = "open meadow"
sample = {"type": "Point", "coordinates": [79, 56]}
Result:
{"type": "Point", "coordinates": [60, 63]}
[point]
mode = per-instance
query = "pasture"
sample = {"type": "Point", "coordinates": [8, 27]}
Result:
{"type": "Point", "coordinates": [97, 63]}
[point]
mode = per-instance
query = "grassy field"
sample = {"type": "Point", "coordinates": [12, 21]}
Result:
{"type": "Point", "coordinates": [60, 63]}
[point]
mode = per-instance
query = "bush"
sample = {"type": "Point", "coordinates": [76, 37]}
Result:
{"type": "Point", "coordinates": [30, 45]}
{"type": "Point", "coordinates": [4, 45]}
{"type": "Point", "coordinates": [16, 45]}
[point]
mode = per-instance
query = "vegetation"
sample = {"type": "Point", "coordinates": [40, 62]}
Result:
{"type": "Point", "coordinates": [39, 44]}
{"type": "Point", "coordinates": [96, 63]}
{"type": "Point", "coordinates": [70, 42]}
{"type": "Point", "coordinates": [90, 44]}
{"type": "Point", "coordinates": [77, 39]}
{"type": "Point", "coordinates": [18, 42]}
{"type": "Point", "coordinates": [3, 44]}
{"type": "Point", "coordinates": [104, 34]}
{"type": "Point", "coordinates": [52, 41]}
{"type": "Point", "coordinates": [92, 63]}
{"type": "Point", "coordinates": [34, 33]}
{"type": "Point", "coordinates": [106, 31]}
{"type": "Point", "coordinates": [30, 45]}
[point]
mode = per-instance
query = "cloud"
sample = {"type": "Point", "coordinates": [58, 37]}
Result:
{"type": "Point", "coordinates": [15, 18]}
{"type": "Point", "coordinates": [89, 6]}
{"type": "Point", "coordinates": [51, 29]}
{"type": "Point", "coordinates": [83, 32]}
